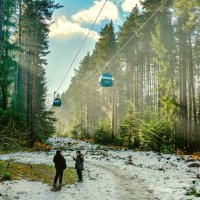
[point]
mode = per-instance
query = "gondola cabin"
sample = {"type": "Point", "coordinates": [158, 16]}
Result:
{"type": "Point", "coordinates": [106, 80]}
{"type": "Point", "coordinates": [57, 102]}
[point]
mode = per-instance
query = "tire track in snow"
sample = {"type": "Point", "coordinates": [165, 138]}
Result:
{"type": "Point", "coordinates": [124, 185]}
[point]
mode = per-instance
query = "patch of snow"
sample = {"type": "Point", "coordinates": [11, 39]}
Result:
{"type": "Point", "coordinates": [152, 175]}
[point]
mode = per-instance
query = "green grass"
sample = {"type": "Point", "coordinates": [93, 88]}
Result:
{"type": "Point", "coordinates": [42, 173]}
{"type": "Point", "coordinates": [8, 151]}
{"type": "Point", "coordinates": [192, 192]}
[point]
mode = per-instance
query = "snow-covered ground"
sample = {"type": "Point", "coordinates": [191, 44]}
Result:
{"type": "Point", "coordinates": [107, 176]}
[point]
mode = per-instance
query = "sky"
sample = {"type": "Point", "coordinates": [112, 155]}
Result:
{"type": "Point", "coordinates": [69, 29]}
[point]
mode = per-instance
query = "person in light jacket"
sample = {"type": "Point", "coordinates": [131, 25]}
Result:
{"type": "Point", "coordinates": [79, 165]}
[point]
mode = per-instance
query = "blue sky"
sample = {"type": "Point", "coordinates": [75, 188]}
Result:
{"type": "Point", "coordinates": [71, 24]}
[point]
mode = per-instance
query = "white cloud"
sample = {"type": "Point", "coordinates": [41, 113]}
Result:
{"type": "Point", "coordinates": [128, 5]}
{"type": "Point", "coordinates": [62, 28]}
{"type": "Point", "coordinates": [109, 12]}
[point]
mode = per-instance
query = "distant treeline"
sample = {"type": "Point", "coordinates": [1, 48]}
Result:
{"type": "Point", "coordinates": [156, 92]}
{"type": "Point", "coordinates": [24, 32]}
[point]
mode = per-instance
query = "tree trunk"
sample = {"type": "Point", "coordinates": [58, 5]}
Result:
{"type": "Point", "coordinates": [190, 83]}
{"type": "Point", "coordinates": [1, 22]}
{"type": "Point", "coordinates": [192, 109]}
{"type": "Point", "coordinates": [180, 129]}
{"type": "Point", "coordinates": [20, 92]}
{"type": "Point", "coordinates": [4, 86]}
{"type": "Point", "coordinates": [183, 91]}
{"type": "Point", "coordinates": [4, 103]}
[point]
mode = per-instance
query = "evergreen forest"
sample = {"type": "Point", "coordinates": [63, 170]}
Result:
{"type": "Point", "coordinates": [24, 28]}
{"type": "Point", "coordinates": [155, 100]}
{"type": "Point", "coordinates": [154, 57]}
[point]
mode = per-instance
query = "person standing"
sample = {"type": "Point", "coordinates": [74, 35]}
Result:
{"type": "Point", "coordinates": [60, 165]}
{"type": "Point", "coordinates": [79, 165]}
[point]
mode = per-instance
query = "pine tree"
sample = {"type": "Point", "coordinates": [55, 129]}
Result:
{"type": "Point", "coordinates": [23, 94]}
{"type": "Point", "coordinates": [163, 45]}
{"type": "Point", "coordinates": [1, 22]}
{"type": "Point", "coordinates": [7, 62]}
{"type": "Point", "coordinates": [186, 15]}
{"type": "Point", "coordinates": [129, 129]}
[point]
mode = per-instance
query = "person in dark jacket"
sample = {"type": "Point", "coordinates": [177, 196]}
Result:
{"type": "Point", "coordinates": [60, 165]}
{"type": "Point", "coordinates": [79, 165]}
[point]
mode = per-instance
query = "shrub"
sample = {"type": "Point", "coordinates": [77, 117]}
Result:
{"type": "Point", "coordinates": [6, 176]}
{"type": "Point", "coordinates": [167, 149]}
{"type": "Point", "coordinates": [156, 135]}
{"type": "Point", "coordinates": [196, 156]}
{"type": "Point", "coordinates": [13, 134]}
{"type": "Point", "coordinates": [41, 146]}
{"type": "Point", "coordinates": [102, 133]}
{"type": "Point", "coordinates": [192, 192]}
{"type": "Point", "coordinates": [128, 129]}
{"type": "Point", "coordinates": [118, 140]}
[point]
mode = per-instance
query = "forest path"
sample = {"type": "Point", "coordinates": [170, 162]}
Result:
{"type": "Point", "coordinates": [107, 175]}
{"type": "Point", "coordinates": [117, 183]}
{"type": "Point", "coordinates": [102, 181]}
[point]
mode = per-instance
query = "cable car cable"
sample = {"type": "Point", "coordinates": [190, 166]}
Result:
{"type": "Point", "coordinates": [116, 53]}
{"type": "Point", "coordinates": [81, 46]}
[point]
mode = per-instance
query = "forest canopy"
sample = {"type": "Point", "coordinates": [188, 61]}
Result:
{"type": "Point", "coordinates": [156, 92]}
{"type": "Point", "coordinates": [24, 30]}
